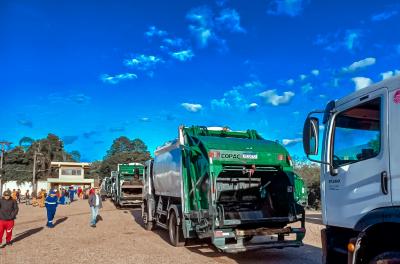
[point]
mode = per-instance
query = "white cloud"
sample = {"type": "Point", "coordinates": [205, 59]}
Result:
{"type": "Point", "coordinates": [389, 74]}
{"type": "Point", "coordinates": [348, 40]}
{"type": "Point", "coordinates": [360, 64]}
{"type": "Point", "coordinates": [192, 107]}
{"type": "Point", "coordinates": [230, 19]}
{"type": "Point", "coordinates": [384, 15]}
{"type": "Point", "coordinates": [106, 78]}
{"type": "Point", "coordinates": [290, 82]}
{"type": "Point", "coordinates": [144, 119]}
{"type": "Point", "coordinates": [286, 7]}
{"type": "Point", "coordinates": [143, 62]}
{"type": "Point", "coordinates": [291, 142]}
{"type": "Point", "coordinates": [335, 82]}
{"type": "Point", "coordinates": [302, 77]}
{"type": "Point", "coordinates": [203, 24]}
{"type": "Point", "coordinates": [361, 82]}
{"type": "Point", "coordinates": [351, 39]}
{"type": "Point", "coordinates": [271, 97]}
{"type": "Point", "coordinates": [183, 55]}
{"type": "Point", "coordinates": [250, 85]}
{"type": "Point", "coordinates": [252, 106]}
{"type": "Point", "coordinates": [174, 42]}
{"type": "Point", "coordinates": [220, 103]}
{"type": "Point", "coordinates": [154, 31]}
{"type": "Point", "coordinates": [315, 72]}
{"type": "Point", "coordinates": [306, 88]}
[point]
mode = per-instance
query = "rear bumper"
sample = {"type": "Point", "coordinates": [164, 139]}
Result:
{"type": "Point", "coordinates": [258, 246]}
{"type": "Point", "coordinates": [272, 238]}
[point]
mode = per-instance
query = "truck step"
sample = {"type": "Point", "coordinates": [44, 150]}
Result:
{"type": "Point", "coordinates": [161, 225]}
{"type": "Point", "coordinates": [161, 212]}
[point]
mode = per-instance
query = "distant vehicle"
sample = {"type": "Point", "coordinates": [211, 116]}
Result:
{"type": "Point", "coordinates": [107, 186]}
{"type": "Point", "coordinates": [360, 174]}
{"type": "Point", "coordinates": [229, 186]}
{"type": "Point", "coordinates": [103, 191]}
{"type": "Point", "coordinates": [128, 184]}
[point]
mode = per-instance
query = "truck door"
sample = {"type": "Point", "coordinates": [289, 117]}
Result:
{"type": "Point", "coordinates": [394, 117]}
{"type": "Point", "coordinates": [359, 150]}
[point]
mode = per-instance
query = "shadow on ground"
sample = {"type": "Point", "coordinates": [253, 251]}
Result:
{"type": "Point", "coordinates": [26, 234]}
{"type": "Point", "coordinates": [309, 254]}
{"type": "Point", "coordinates": [61, 220]}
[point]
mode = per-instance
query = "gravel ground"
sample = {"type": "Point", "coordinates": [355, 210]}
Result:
{"type": "Point", "coordinates": [120, 238]}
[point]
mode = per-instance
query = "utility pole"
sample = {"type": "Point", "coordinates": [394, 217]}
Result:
{"type": "Point", "coordinates": [34, 174]}
{"type": "Point", "coordinates": [3, 144]}
{"type": "Point", "coordinates": [35, 171]}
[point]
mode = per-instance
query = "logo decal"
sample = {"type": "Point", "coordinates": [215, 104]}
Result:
{"type": "Point", "coordinates": [396, 97]}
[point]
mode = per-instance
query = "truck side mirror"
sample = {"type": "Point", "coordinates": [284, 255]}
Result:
{"type": "Point", "coordinates": [311, 136]}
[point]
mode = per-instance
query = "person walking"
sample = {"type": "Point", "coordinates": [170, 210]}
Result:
{"type": "Point", "coordinates": [27, 197]}
{"type": "Point", "coordinates": [51, 207]}
{"type": "Point", "coordinates": [19, 196]}
{"type": "Point", "coordinates": [8, 213]}
{"type": "Point", "coordinates": [71, 194]}
{"type": "Point", "coordinates": [14, 194]}
{"type": "Point", "coordinates": [95, 204]}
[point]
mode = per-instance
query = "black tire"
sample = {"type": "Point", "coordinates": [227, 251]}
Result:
{"type": "Point", "coordinates": [148, 225]}
{"type": "Point", "coordinates": [175, 231]}
{"type": "Point", "coordinates": [391, 257]}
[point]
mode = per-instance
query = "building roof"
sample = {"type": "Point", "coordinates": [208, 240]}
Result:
{"type": "Point", "coordinates": [70, 164]}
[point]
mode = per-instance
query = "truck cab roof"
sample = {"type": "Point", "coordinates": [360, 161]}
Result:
{"type": "Point", "coordinates": [391, 84]}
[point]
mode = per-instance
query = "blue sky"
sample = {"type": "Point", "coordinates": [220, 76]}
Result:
{"type": "Point", "coordinates": [90, 71]}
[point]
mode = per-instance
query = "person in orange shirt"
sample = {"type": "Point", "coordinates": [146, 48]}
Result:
{"type": "Point", "coordinates": [14, 194]}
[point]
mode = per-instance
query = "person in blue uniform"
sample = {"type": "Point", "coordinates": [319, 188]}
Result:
{"type": "Point", "coordinates": [51, 207]}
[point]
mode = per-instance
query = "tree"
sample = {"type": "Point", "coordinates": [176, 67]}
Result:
{"type": "Point", "coordinates": [123, 150]}
{"type": "Point", "coordinates": [76, 156]}
{"type": "Point", "coordinates": [26, 142]}
{"type": "Point", "coordinates": [310, 172]}
{"type": "Point", "coordinates": [18, 162]}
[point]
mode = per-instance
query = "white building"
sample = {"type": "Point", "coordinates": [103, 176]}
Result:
{"type": "Point", "coordinates": [70, 173]}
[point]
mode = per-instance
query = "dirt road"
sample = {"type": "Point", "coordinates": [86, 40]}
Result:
{"type": "Point", "coordinates": [120, 238]}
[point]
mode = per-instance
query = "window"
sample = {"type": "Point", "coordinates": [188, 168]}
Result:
{"type": "Point", "coordinates": [73, 172]}
{"type": "Point", "coordinates": [357, 134]}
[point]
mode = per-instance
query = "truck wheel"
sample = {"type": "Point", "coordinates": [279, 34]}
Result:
{"type": "Point", "coordinates": [392, 257]}
{"type": "Point", "coordinates": [175, 231]}
{"type": "Point", "coordinates": [148, 225]}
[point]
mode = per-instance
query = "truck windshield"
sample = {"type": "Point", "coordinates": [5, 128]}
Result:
{"type": "Point", "coordinates": [357, 134]}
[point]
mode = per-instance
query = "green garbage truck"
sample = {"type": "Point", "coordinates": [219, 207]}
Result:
{"type": "Point", "coordinates": [128, 184]}
{"type": "Point", "coordinates": [231, 186]}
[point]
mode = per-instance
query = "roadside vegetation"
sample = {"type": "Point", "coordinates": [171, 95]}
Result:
{"type": "Point", "coordinates": [310, 172]}
{"type": "Point", "coordinates": [18, 160]}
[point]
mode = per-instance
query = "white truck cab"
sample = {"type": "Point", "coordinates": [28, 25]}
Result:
{"type": "Point", "coordinates": [360, 174]}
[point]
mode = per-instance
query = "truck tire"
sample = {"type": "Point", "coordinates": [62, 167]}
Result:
{"type": "Point", "coordinates": [148, 225]}
{"type": "Point", "coordinates": [391, 257]}
{"type": "Point", "coordinates": [175, 231]}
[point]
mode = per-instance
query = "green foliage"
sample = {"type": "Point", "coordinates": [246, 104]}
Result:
{"type": "Point", "coordinates": [75, 155]}
{"type": "Point", "coordinates": [18, 162]}
{"type": "Point", "coordinates": [310, 172]}
{"type": "Point", "coordinates": [122, 150]}
{"type": "Point", "coordinates": [26, 142]}
{"type": "Point", "coordinates": [124, 145]}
